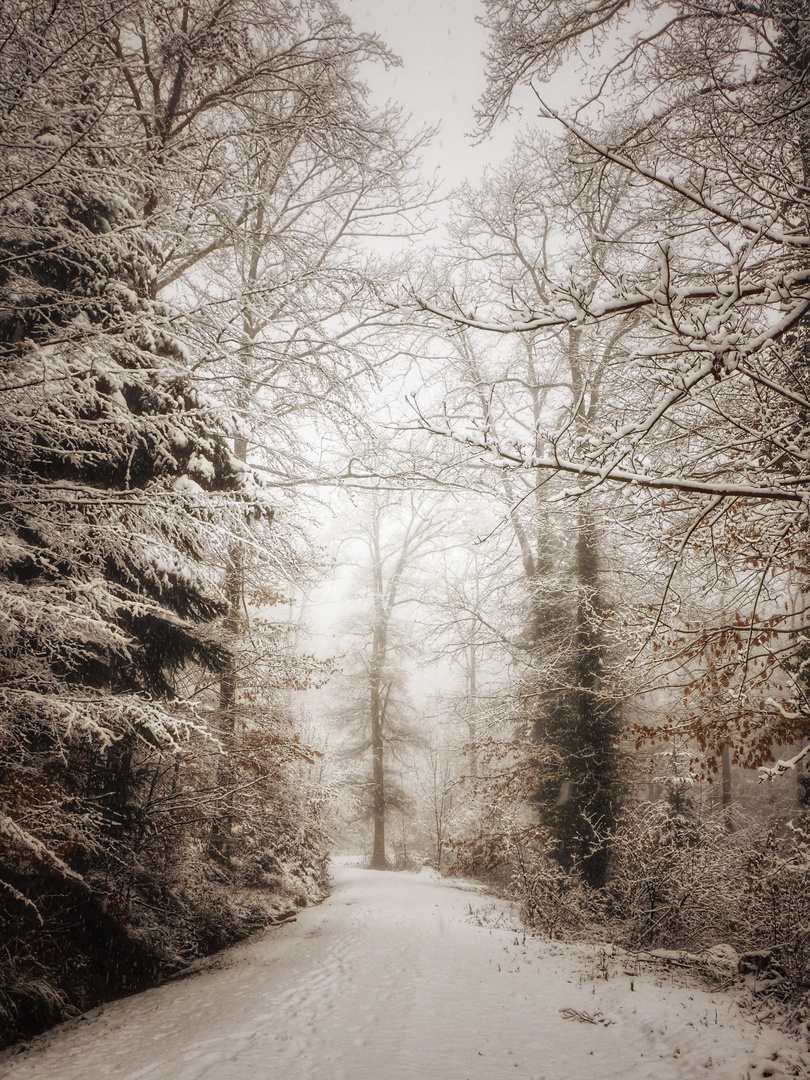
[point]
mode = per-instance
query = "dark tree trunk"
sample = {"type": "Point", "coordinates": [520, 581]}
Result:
{"type": "Point", "coordinates": [579, 800]}
{"type": "Point", "coordinates": [727, 796]}
{"type": "Point", "coordinates": [222, 825]}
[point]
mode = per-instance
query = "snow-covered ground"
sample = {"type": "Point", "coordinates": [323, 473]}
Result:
{"type": "Point", "coordinates": [410, 976]}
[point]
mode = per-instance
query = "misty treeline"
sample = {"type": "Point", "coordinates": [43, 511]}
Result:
{"type": "Point", "coordinates": [566, 450]}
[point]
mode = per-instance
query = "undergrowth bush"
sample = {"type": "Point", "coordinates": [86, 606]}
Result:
{"type": "Point", "coordinates": [28, 1005]}
{"type": "Point", "coordinates": [515, 859]}
{"type": "Point", "coordinates": [556, 903]}
{"type": "Point", "coordinates": [775, 908]}
{"type": "Point", "coordinates": [118, 932]}
{"type": "Point", "coordinates": [678, 880]}
{"type": "Point", "coordinates": [485, 857]}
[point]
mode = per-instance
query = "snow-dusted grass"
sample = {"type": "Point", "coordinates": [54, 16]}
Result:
{"type": "Point", "coordinates": [411, 976]}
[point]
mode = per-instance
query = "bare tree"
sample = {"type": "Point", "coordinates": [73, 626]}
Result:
{"type": "Point", "coordinates": [709, 444]}
{"type": "Point", "coordinates": [548, 391]}
{"type": "Point", "coordinates": [393, 537]}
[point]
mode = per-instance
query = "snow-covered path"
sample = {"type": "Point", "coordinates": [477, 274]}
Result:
{"type": "Point", "coordinates": [402, 976]}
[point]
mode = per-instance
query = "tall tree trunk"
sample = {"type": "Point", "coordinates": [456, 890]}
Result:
{"type": "Point", "coordinates": [385, 588]}
{"type": "Point", "coordinates": [378, 856]}
{"type": "Point", "coordinates": [219, 844]}
{"type": "Point", "coordinates": [472, 710]}
{"type": "Point", "coordinates": [727, 797]}
{"type": "Point", "coordinates": [222, 825]}
{"type": "Point", "coordinates": [596, 720]}
{"type": "Point", "coordinates": [579, 800]}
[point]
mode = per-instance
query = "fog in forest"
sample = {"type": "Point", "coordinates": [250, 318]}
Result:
{"type": "Point", "coordinates": [404, 446]}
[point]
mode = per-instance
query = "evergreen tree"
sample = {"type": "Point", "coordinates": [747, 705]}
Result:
{"type": "Point", "coordinates": [116, 482]}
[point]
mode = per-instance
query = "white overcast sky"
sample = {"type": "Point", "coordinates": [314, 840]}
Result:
{"type": "Point", "coordinates": [441, 79]}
